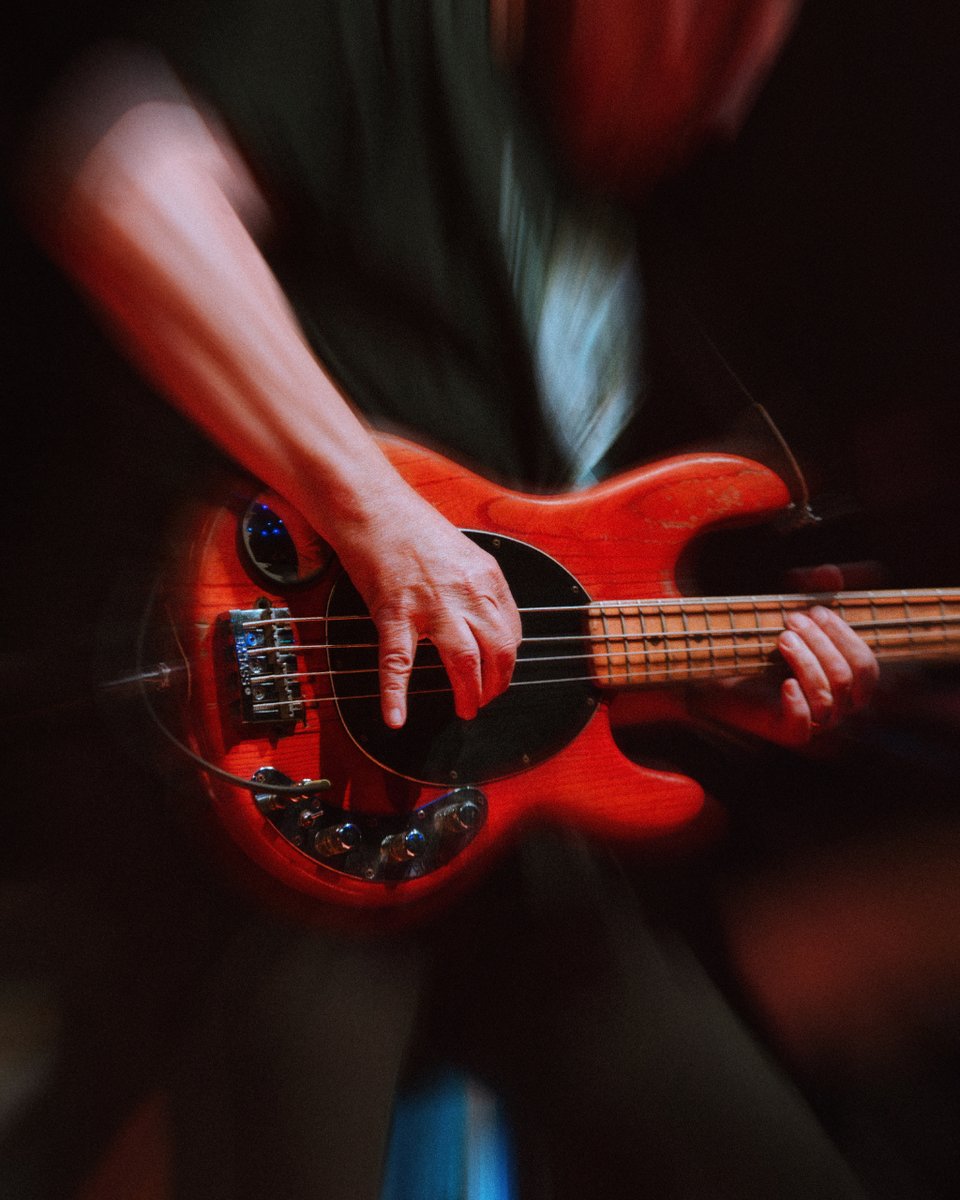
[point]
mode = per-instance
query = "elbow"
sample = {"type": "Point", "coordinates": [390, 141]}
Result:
{"type": "Point", "coordinates": [121, 137]}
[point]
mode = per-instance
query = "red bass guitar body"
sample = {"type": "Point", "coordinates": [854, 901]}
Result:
{"type": "Point", "coordinates": [283, 684]}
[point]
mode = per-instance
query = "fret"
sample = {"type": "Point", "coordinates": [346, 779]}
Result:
{"type": "Point", "coordinates": [644, 642]}
{"type": "Point", "coordinates": [611, 648]}
{"type": "Point", "coordinates": [758, 626]}
{"type": "Point", "coordinates": [751, 633]}
{"type": "Point", "coordinates": [873, 637]}
{"type": "Point", "coordinates": [711, 645]}
{"type": "Point", "coordinates": [837, 605]}
{"type": "Point", "coordinates": [608, 658]}
{"type": "Point", "coordinates": [699, 643]}
{"type": "Point", "coordinates": [597, 645]}
{"type": "Point", "coordinates": [665, 633]}
{"type": "Point", "coordinates": [891, 630]}
{"type": "Point", "coordinates": [782, 613]}
{"type": "Point", "coordinates": [628, 654]}
{"type": "Point", "coordinates": [938, 620]}
{"type": "Point", "coordinates": [733, 640]}
{"type": "Point", "coordinates": [906, 618]}
{"type": "Point", "coordinates": [664, 640]}
{"type": "Point", "coordinates": [952, 631]}
{"type": "Point", "coordinates": [686, 639]}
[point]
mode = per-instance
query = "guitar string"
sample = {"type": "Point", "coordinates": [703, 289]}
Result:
{"type": "Point", "coordinates": [934, 596]}
{"type": "Point", "coordinates": [683, 652]}
{"type": "Point", "coordinates": [651, 673]}
{"type": "Point", "coordinates": [663, 675]}
{"type": "Point", "coordinates": [690, 639]}
{"type": "Point", "coordinates": [651, 659]}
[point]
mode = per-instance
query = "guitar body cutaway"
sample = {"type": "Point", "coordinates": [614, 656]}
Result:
{"type": "Point", "coordinates": [542, 751]}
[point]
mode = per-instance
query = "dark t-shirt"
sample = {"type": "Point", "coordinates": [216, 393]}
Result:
{"type": "Point", "coordinates": [410, 184]}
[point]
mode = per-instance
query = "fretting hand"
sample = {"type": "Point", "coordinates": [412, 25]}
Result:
{"type": "Point", "coordinates": [834, 674]}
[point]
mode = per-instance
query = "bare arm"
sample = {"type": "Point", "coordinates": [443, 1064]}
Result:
{"type": "Point", "coordinates": [148, 204]}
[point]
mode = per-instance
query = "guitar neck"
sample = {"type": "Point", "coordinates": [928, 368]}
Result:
{"type": "Point", "coordinates": [633, 643]}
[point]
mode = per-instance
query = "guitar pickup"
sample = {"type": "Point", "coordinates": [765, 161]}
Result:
{"type": "Point", "coordinates": [263, 646]}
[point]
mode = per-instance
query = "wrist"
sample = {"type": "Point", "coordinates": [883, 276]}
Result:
{"type": "Point", "coordinates": [352, 503]}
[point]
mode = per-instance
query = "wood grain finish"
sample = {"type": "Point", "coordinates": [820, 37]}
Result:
{"type": "Point", "coordinates": [621, 540]}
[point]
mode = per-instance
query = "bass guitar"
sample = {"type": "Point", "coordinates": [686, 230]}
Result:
{"type": "Point", "coordinates": [282, 665]}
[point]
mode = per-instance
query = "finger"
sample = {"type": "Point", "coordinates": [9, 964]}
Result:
{"type": "Point", "coordinates": [460, 655]}
{"type": "Point", "coordinates": [509, 613]}
{"type": "Point", "coordinates": [796, 719]}
{"type": "Point", "coordinates": [497, 663]}
{"type": "Point", "coordinates": [498, 644]}
{"type": "Point", "coordinates": [824, 578]}
{"type": "Point", "coordinates": [830, 577]}
{"type": "Point", "coordinates": [808, 667]}
{"type": "Point", "coordinates": [862, 660]}
{"type": "Point", "coordinates": [398, 645]}
{"type": "Point", "coordinates": [832, 663]}
{"type": "Point", "coordinates": [866, 573]}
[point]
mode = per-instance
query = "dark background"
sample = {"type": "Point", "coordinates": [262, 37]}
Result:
{"type": "Point", "coordinates": [820, 256]}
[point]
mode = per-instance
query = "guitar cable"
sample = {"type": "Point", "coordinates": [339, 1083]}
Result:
{"type": "Point", "coordinates": [160, 678]}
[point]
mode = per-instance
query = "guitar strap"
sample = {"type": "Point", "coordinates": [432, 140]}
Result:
{"type": "Point", "coordinates": [702, 402]}
{"type": "Point", "coordinates": [802, 513]}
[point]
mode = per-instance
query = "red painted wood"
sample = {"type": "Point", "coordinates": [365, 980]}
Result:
{"type": "Point", "coordinates": [620, 539]}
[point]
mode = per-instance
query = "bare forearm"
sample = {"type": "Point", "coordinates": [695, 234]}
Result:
{"type": "Point", "coordinates": [154, 217]}
{"type": "Point", "coordinates": [152, 220]}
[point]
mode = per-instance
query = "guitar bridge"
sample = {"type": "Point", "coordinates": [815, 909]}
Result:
{"type": "Point", "coordinates": [263, 641]}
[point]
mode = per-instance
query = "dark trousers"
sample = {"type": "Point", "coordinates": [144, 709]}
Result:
{"type": "Point", "coordinates": [624, 1070]}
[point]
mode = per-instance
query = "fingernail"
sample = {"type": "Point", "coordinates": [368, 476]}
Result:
{"type": "Point", "coordinates": [790, 640]}
{"type": "Point", "coordinates": [394, 717]}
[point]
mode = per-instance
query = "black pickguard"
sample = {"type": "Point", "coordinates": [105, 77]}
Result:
{"type": "Point", "coordinates": [551, 697]}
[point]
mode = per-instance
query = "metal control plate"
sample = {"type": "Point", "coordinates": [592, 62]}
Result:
{"type": "Point", "coordinates": [375, 848]}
